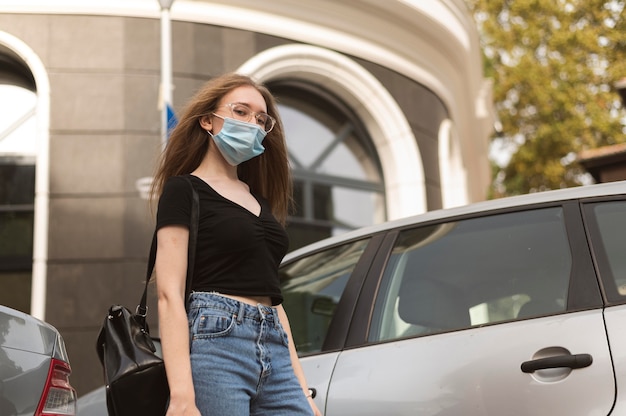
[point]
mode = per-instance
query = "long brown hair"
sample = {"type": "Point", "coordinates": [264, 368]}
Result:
{"type": "Point", "coordinates": [267, 175]}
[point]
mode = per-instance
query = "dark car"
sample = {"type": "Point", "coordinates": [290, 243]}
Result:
{"type": "Point", "coordinates": [34, 368]}
{"type": "Point", "coordinates": [508, 307]}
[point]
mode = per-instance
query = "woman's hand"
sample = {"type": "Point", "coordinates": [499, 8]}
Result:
{"type": "Point", "coordinates": [316, 411]}
{"type": "Point", "coordinates": [182, 408]}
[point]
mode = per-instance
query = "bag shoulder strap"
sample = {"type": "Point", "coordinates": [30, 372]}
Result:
{"type": "Point", "coordinates": [142, 309]}
{"type": "Point", "coordinates": [193, 237]}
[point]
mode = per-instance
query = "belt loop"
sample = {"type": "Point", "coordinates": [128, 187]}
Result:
{"type": "Point", "coordinates": [274, 314]}
{"type": "Point", "coordinates": [259, 307]}
{"type": "Point", "coordinates": [242, 308]}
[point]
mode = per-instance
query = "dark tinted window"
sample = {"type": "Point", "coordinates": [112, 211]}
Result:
{"type": "Point", "coordinates": [17, 193]}
{"type": "Point", "coordinates": [607, 222]}
{"type": "Point", "coordinates": [19, 145]}
{"type": "Point", "coordinates": [338, 181]}
{"type": "Point", "coordinates": [474, 272]}
{"type": "Point", "coordinates": [312, 287]}
{"type": "Point", "coordinates": [17, 182]}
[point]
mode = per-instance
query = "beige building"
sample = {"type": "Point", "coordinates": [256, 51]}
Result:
{"type": "Point", "coordinates": [605, 164]}
{"type": "Point", "coordinates": [385, 106]}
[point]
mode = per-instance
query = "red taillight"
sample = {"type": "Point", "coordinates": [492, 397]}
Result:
{"type": "Point", "coordinates": [59, 397]}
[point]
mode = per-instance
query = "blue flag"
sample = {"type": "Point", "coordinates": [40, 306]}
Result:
{"type": "Point", "coordinates": [172, 121]}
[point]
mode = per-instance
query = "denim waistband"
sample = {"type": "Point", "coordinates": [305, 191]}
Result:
{"type": "Point", "coordinates": [240, 309]}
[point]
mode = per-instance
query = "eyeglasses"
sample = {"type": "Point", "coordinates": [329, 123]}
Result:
{"type": "Point", "coordinates": [242, 112]}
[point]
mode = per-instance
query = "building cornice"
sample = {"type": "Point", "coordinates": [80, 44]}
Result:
{"type": "Point", "coordinates": [433, 42]}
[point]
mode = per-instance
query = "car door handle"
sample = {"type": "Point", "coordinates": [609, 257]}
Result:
{"type": "Point", "coordinates": [572, 361]}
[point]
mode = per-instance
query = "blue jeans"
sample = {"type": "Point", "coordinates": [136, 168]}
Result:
{"type": "Point", "coordinates": [240, 360]}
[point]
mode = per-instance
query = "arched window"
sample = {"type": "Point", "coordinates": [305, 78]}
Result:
{"type": "Point", "coordinates": [338, 184]}
{"type": "Point", "coordinates": [18, 100]}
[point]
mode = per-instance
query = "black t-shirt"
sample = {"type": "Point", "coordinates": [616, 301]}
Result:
{"type": "Point", "coordinates": [237, 253]}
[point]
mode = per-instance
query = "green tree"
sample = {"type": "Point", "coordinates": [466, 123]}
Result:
{"type": "Point", "coordinates": [554, 64]}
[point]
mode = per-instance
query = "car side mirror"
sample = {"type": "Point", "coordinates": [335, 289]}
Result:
{"type": "Point", "coordinates": [324, 306]}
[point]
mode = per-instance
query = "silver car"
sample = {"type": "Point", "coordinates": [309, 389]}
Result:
{"type": "Point", "coordinates": [509, 307]}
{"type": "Point", "coordinates": [34, 368]}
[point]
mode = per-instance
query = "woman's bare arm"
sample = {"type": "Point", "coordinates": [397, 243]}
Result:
{"type": "Point", "coordinates": [171, 274]}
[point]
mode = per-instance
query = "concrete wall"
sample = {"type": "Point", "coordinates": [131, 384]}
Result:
{"type": "Point", "coordinates": [104, 135]}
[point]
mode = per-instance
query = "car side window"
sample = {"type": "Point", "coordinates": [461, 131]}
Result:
{"type": "Point", "coordinates": [477, 271]}
{"type": "Point", "coordinates": [607, 221]}
{"type": "Point", "coordinates": [312, 287]}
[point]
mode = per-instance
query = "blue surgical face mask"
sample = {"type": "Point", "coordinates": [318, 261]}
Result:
{"type": "Point", "coordinates": [239, 141]}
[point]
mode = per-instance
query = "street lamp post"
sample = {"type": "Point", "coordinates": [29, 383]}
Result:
{"type": "Point", "coordinates": [144, 184]}
{"type": "Point", "coordinates": [165, 91]}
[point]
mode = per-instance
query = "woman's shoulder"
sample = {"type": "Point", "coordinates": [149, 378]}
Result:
{"type": "Point", "coordinates": [178, 182]}
{"type": "Point", "coordinates": [175, 201]}
{"type": "Point", "coordinates": [176, 187]}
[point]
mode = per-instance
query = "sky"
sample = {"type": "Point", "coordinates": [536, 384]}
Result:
{"type": "Point", "coordinates": [17, 121]}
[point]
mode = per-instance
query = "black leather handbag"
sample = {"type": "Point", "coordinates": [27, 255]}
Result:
{"type": "Point", "coordinates": [134, 375]}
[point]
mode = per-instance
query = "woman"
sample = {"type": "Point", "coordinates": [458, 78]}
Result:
{"type": "Point", "coordinates": [232, 353]}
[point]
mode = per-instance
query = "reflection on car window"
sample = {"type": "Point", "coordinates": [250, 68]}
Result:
{"type": "Point", "coordinates": [474, 272]}
{"type": "Point", "coordinates": [610, 219]}
{"type": "Point", "coordinates": [312, 287]}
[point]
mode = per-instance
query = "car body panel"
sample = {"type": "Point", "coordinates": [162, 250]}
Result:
{"type": "Point", "coordinates": [23, 332]}
{"type": "Point", "coordinates": [23, 389]}
{"type": "Point", "coordinates": [27, 346]}
{"type": "Point", "coordinates": [92, 403]}
{"type": "Point", "coordinates": [319, 370]}
{"type": "Point", "coordinates": [477, 372]}
{"type": "Point", "coordinates": [615, 319]}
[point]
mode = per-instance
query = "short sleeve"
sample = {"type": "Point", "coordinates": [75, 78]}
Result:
{"type": "Point", "coordinates": [174, 206]}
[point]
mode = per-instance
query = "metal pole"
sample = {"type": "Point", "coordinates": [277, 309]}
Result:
{"type": "Point", "coordinates": [166, 66]}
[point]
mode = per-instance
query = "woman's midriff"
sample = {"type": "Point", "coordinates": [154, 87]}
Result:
{"type": "Point", "coordinates": [252, 300]}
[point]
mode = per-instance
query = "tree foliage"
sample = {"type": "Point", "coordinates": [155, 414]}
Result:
{"type": "Point", "coordinates": [554, 64]}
